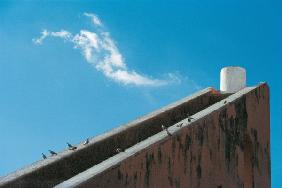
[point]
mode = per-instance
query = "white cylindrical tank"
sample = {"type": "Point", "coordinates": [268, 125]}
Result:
{"type": "Point", "coordinates": [232, 79]}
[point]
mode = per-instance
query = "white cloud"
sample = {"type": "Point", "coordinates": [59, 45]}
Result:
{"type": "Point", "coordinates": [95, 19]}
{"type": "Point", "coordinates": [99, 49]}
{"type": "Point", "coordinates": [61, 34]}
{"type": "Point", "coordinates": [39, 40]}
{"type": "Point", "coordinates": [127, 77]}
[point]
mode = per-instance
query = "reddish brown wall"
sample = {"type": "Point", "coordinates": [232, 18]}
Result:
{"type": "Point", "coordinates": [227, 148]}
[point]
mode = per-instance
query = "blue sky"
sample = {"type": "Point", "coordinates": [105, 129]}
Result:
{"type": "Point", "coordinates": [92, 72]}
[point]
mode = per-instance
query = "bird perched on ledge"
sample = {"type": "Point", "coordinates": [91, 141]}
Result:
{"type": "Point", "coordinates": [189, 118]}
{"type": "Point", "coordinates": [71, 147]}
{"type": "Point", "coordinates": [86, 141]}
{"type": "Point", "coordinates": [179, 125]}
{"type": "Point", "coordinates": [118, 150]}
{"type": "Point", "coordinates": [52, 152]}
{"type": "Point", "coordinates": [165, 128]}
{"type": "Point", "coordinates": [44, 156]}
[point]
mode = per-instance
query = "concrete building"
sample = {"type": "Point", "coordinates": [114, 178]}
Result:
{"type": "Point", "coordinates": [213, 139]}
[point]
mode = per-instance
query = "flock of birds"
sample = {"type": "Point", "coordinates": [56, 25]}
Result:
{"type": "Point", "coordinates": [118, 150]}
{"type": "Point", "coordinates": [70, 146]}
{"type": "Point", "coordinates": [189, 118]}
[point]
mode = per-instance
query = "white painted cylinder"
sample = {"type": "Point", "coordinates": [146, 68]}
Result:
{"type": "Point", "coordinates": [232, 79]}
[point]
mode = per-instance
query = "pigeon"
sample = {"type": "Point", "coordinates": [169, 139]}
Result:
{"type": "Point", "coordinates": [179, 125]}
{"type": "Point", "coordinates": [189, 118]}
{"type": "Point", "coordinates": [118, 150]}
{"type": "Point", "coordinates": [52, 153]}
{"type": "Point", "coordinates": [165, 128]}
{"type": "Point", "coordinates": [44, 156]}
{"type": "Point", "coordinates": [86, 141]}
{"type": "Point", "coordinates": [169, 134]}
{"type": "Point", "coordinates": [71, 147]}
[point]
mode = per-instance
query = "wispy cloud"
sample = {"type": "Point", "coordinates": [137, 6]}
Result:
{"type": "Point", "coordinates": [94, 17]}
{"type": "Point", "coordinates": [62, 34]}
{"type": "Point", "coordinates": [100, 50]}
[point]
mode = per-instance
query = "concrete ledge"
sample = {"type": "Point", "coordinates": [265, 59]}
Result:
{"type": "Point", "coordinates": [53, 170]}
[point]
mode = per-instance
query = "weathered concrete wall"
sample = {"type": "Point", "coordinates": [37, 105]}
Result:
{"type": "Point", "coordinates": [51, 171]}
{"type": "Point", "coordinates": [227, 146]}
